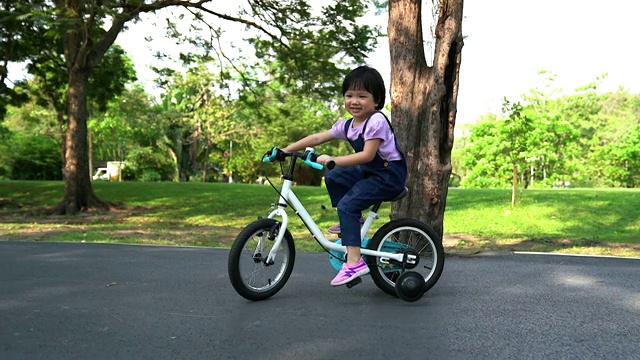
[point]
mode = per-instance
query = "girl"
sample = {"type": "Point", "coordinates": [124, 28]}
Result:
{"type": "Point", "coordinates": [375, 172]}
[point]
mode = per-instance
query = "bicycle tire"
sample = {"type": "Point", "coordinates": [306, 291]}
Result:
{"type": "Point", "coordinates": [250, 276]}
{"type": "Point", "coordinates": [401, 234]}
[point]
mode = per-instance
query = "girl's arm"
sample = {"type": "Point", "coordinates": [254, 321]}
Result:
{"type": "Point", "coordinates": [310, 141]}
{"type": "Point", "coordinates": [365, 156]}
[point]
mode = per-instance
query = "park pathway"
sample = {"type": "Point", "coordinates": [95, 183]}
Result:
{"type": "Point", "coordinates": [101, 301]}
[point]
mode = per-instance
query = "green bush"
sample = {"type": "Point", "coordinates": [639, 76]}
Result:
{"type": "Point", "coordinates": [454, 180]}
{"type": "Point", "coordinates": [150, 176]}
{"type": "Point", "coordinates": [145, 164]}
{"type": "Point", "coordinates": [35, 157]}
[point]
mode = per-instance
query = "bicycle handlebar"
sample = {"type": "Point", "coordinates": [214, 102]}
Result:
{"type": "Point", "coordinates": [308, 157]}
{"type": "Point", "coordinates": [310, 160]}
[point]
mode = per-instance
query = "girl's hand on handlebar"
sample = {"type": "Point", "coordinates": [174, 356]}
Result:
{"type": "Point", "coordinates": [273, 154]}
{"type": "Point", "coordinates": [324, 159]}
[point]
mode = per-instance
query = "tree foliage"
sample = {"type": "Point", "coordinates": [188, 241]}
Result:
{"type": "Point", "coordinates": [280, 116]}
{"type": "Point", "coordinates": [582, 139]}
{"type": "Point", "coordinates": [21, 36]}
{"type": "Point", "coordinates": [296, 36]}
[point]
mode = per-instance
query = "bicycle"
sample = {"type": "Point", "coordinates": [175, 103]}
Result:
{"type": "Point", "coordinates": [405, 256]}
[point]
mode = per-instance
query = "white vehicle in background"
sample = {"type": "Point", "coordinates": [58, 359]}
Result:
{"type": "Point", "coordinates": [112, 172]}
{"type": "Point", "coordinates": [101, 174]}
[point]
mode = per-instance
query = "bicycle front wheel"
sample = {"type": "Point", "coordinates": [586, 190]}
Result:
{"type": "Point", "coordinates": [250, 274]}
{"type": "Point", "coordinates": [406, 235]}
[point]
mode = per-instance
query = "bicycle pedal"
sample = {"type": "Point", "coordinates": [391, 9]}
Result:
{"type": "Point", "coordinates": [354, 282]}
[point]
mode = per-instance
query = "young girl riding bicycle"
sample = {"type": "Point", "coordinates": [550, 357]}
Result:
{"type": "Point", "coordinates": [376, 171]}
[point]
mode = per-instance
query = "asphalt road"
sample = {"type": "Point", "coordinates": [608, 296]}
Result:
{"type": "Point", "coordinates": [92, 301]}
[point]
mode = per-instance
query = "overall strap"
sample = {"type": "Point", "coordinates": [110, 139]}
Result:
{"type": "Point", "coordinates": [395, 138]}
{"type": "Point", "coordinates": [348, 123]}
{"type": "Point", "coordinates": [388, 121]}
{"type": "Point", "coordinates": [385, 117]}
{"type": "Point", "coordinates": [364, 127]}
{"type": "Point", "coordinates": [346, 128]}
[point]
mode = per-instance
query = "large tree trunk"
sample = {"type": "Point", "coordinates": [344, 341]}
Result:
{"type": "Point", "coordinates": [423, 101]}
{"type": "Point", "coordinates": [78, 192]}
{"type": "Point", "coordinates": [81, 56]}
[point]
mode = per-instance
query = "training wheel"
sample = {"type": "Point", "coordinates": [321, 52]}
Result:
{"type": "Point", "coordinates": [410, 286]}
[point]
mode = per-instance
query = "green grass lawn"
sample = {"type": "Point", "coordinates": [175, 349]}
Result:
{"type": "Point", "coordinates": [587, 221]}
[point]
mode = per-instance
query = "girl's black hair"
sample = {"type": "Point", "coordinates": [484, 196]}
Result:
{"type": "Point", "coordinates": [368, 79]}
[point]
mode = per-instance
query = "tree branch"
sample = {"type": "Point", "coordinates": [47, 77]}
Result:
{"type": "Point", "coordinates": [131, 11]}
{"type": "Point", "coordinates": [145, 8]}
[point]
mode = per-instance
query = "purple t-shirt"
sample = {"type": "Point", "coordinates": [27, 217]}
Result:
{"type": "Point", "coordinates": [377, 128]}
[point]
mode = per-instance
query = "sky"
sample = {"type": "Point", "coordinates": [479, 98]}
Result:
{"type": "Point", "coordinates": [507, 42]}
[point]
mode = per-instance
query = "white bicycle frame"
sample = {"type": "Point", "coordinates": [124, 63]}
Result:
{"type": "Point", "coordinates": [287, 194]}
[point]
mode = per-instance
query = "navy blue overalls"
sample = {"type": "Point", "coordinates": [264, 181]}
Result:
{"type": "Point", "coordinates": [355, 188]}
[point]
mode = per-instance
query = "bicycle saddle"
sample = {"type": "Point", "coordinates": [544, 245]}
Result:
{"type": "Point", "coordinates": [399, 196]}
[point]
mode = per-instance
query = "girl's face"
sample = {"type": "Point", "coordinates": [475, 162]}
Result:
{"type": "Point", "coordinates": [360, 104]}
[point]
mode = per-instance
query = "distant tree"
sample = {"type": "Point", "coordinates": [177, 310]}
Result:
{"type": "Point", "coordinates": [200, 110]}
{"type": "Point", "coordinates": [516, 134]}
{"type": "Point", "coordinates": [620, 161]}
{"type": "Point", "coordinates": [49, 85]}
{"type": "Point", "coordinates": [585, 138]}
{"type": "Point", "coordinates": [486, 156]}
{"type": "Point", "coordinates": [130, 119]}
{"type": "Point", "coordinates": [613, 157]}
{"type": "Point", "coordinates": [275, 115]}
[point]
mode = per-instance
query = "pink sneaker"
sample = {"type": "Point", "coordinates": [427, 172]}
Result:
{"type": "Point", "coordinates": [350, 272]}
{"type": "Point", "coordinates": [335, 229]}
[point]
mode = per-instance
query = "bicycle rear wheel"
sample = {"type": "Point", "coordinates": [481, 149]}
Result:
{"type": "Point", "coordinates": [250, 274]}
{"type": "Point", "coordinates": [412, 236]}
